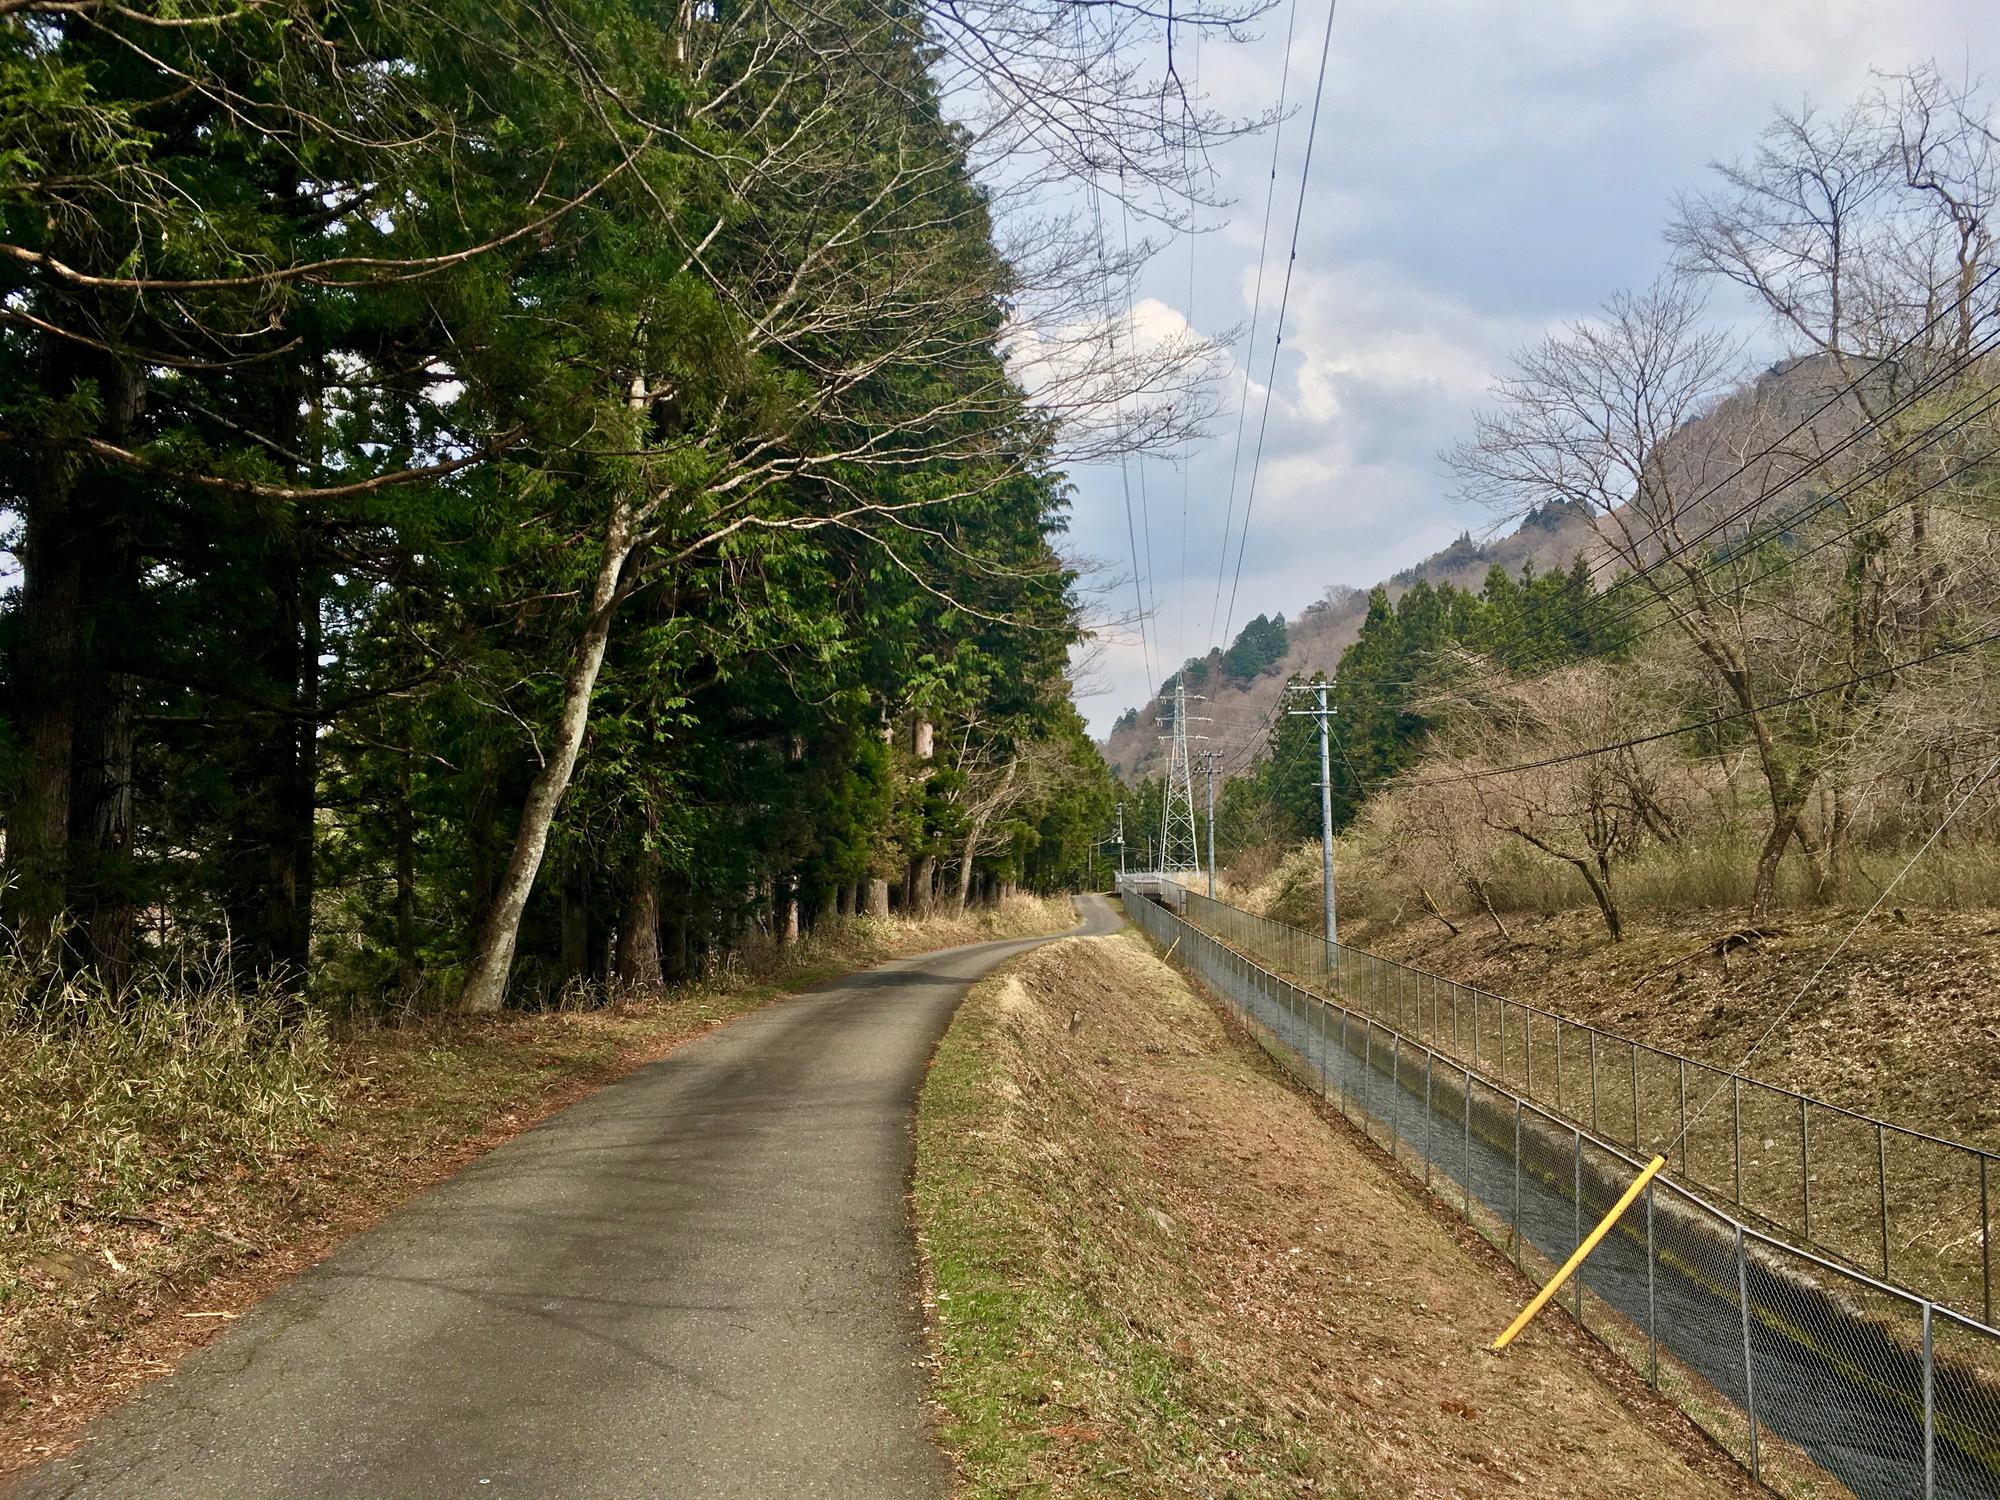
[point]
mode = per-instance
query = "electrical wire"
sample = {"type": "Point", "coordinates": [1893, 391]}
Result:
{"type": "Point", "coordinates": [1695, 726]}
{"type": "Point", "coordinates": [1256, 309]}
{"type": "Point", "coordinates": [1285, 301]}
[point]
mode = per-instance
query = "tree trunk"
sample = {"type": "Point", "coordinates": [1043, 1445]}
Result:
{"type": "Point", "coordinates": [843, 899]}
{"type": "Point", "coordinates": [268, 872]}
{"type": "Point", "coordinates": [878, 898]}
{"type": "Point", "coordinates": [406, 880]}
{"type": "Point", "coordinates": [1764, 892]}
{"type": "Point", "coordinates": [1600, 888]}
{"type": "Point", "coordinates": [966, 857]}
{"type": "Point", "coordinates": [493, 953]}
{"type": "Point", "coordinates": [639, 933]}
{"type": "Point", "coordinates": [102, 896]}
{"type": "Point", "coordinates": [50, 610]}
{"type": "Point", "coordinates": [100, 859]}
{"type": "Point", "coordinates": [1478, 888]}
{"type": "Point", "coordinates": [674, 965]}
{"type": "Point", "coordinates": [923, 879]}
{"type": "Point", "coordinates": [574, 923]}
{"type": "Point", "coordinates": [788, 913]}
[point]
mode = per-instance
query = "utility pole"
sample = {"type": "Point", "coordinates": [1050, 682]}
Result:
{"type": "Point", "coordinates": [1323, 713]}
{"type": "Point", "coordinates": [1211, 762]}
{"type": "Point", "coordinates": [1121, 841]}
{"type": "Point", "coordinates": [1180, 849]}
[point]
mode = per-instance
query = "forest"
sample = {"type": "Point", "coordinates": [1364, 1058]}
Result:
{"type": "Point", "coordinates": [509, 496]}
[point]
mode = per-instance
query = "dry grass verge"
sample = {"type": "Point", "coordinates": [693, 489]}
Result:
{"type": "Point", "coordinates": [1156, 1269]}
{"type": "Point", "coordinates": [165, 1162]}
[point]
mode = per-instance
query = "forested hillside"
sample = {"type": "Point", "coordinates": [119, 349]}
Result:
{"type": "Point", "coordinates": [509, 495]}
{"type": "Point", "coordinates": [1242, 684]}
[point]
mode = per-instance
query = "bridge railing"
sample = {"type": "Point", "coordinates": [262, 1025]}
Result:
{"type": "Point", "coordinates": [1803, 1366]}
{"type": "Point", "coordinates": [1909, 1207]}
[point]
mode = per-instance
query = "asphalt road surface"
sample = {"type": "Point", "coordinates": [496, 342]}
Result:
{"type": "Point", "coordinates": [699, 1281]}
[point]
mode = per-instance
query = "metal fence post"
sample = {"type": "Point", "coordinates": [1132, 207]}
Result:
{"type": "Point", "coordinates": [1736, 1127]}
{"type": "Point", "coordinates": [1749, 1367]}
{"type": "Point", "coordinates": [1576, 1206]}
{"type": "Point", "coordinates": [1367, 1067]}
{"type": "Point", "coordinates": [1652, 1300]}
{"type": "Point", "coordinates": [1930, 1412]}
{"type": "Point", "coordinates": [1321, 1013]}
{"type": "Point", "coordinates": [1465, 1160]}
{"type": "Point", "coordinates": [1634, 1046]}
{"type": "Point", "coordinates": [1430, 1066]}
{"type": "Point", "coordinates": [1985, 1244]}
{"type": "Point", "coordinates": [1593, 1078]}
{"type": "Point", "coordinates": [1514, 1234]}
{"type": "Point", "coordinates": [1882, 1186]}
{"type": "Point", "coordinates": [1344, 1055]}
{"type": "Point", "coordinates": [1805, 1171]}
{"type": "Point", "coordinates": [1395, 1089]}
{"type": "Point", "coordinates": [1559, 1062]}
{"type": "Point", "coordinates": [1529, 1022]}
{"type": "Point", "coordinates": [1683, 1136]}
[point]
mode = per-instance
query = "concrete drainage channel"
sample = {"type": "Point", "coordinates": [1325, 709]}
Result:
{"type": "Point", "coordinates": [1895, 1397]}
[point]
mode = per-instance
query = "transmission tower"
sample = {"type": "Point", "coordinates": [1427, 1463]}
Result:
{"type": "Point", "coordinates": [1180, 847]}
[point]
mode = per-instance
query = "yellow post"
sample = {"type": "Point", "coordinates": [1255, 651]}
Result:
{"type": "Point", "coordinates": [1582, 1253]}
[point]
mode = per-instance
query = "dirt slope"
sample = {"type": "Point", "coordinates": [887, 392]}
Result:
{"type": "Point", "coordinates": [1156, 1269]}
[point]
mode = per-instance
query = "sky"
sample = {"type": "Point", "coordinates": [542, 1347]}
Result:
{"type": "Point", "coordinates": [1481, 174]}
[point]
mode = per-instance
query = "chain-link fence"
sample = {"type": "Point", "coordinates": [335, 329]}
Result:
{"type": "Point", "coordinates": [1911, 1208]}
{"type": "Point", "coordinates": [1805, 1368]}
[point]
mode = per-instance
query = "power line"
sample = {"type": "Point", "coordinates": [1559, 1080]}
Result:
{"type": "Point", "coordinates": [1930, 382]}
{"type": "Point", "coordinates": [1145, 503]}
{"type": "Point", "coordinates": [1249, 750]}
{"type": "Point", "coordinates": [1187, 453]}
{"type": "Point", "coordinates": [1284, 301]}
{"type": "Point", "coordinates": [1124, 473]}
{"type": "Point", "coordinates": [1874, 469]}
{"type": "Point", "coordinates": [1697, 725]}
{"type": "Point", "coordinates": [1256, 308]}
{"type": "Point", "coordinates": [1850, 387]}
{"type": "Point", "coordinates": [1792, 559]}
{"type": "Point", "coordinates": [1549, 630]}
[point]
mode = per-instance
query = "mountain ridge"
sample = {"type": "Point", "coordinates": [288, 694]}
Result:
{"type": "Point", "coordinates": [1549, 537]}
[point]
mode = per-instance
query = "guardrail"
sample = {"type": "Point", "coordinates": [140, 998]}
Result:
{"type": "Point", "coordinates": [1800, 1365]}
{"type": "Point", "coordinates": [1915, 1209]}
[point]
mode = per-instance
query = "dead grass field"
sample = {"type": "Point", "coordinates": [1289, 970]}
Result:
{"type": "Point", "coordinates": [1154, 1268]}
{"type": "Point", "coordinates": [131, 1236]}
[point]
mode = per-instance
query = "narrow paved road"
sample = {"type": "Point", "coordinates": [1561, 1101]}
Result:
{"type": "Point", "coordinates": [699, 1281]}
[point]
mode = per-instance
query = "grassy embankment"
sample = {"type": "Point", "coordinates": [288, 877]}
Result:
{"type": "Point", "coordinates": [166, 1160]}
{"type": "Point", "coordinates": [1154, 1268]}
